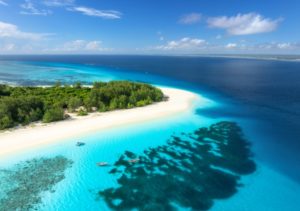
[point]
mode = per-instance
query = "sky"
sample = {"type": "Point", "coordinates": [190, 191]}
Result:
{"type": "Point", "coordinates": [149, 27]}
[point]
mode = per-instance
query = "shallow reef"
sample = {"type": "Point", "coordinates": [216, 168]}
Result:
{"type": "Point", "coordinates": [22, 186]}
{"type": "Point", "coordinates": [190, 171]}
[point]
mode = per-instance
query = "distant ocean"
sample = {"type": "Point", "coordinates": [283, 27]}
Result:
{"type": "Point", "coordinates": [262, 96]}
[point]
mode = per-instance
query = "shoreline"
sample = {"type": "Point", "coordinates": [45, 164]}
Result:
{"type": "Point", "coordinates": [38, 135]}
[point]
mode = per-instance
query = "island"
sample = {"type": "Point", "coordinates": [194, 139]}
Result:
{"type": "Point", "coordinates": [23, 105]}
{"type": "Point", "coordinates": [30, 116]}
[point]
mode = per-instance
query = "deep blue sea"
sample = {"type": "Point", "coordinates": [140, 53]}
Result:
{"type": "Point", "coordinates": [262, 96]}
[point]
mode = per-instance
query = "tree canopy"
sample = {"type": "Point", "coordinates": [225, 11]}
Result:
{"type": "Point", "coordinates": [23, 105]}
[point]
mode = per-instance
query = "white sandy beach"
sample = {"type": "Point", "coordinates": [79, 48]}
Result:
{"type": "Point", "coordinates": [22, 139]}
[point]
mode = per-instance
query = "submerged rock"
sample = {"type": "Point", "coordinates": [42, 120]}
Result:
{"type": "Point", "coordinates": [23, 185]}
{"type": "Point", "coordinates": [190, 171]}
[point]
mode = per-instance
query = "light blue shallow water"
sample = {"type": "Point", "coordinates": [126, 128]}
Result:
{"type": "Point", "coordinates": [266, 189]}
{"type": "Point", "coordinates": [79, 190]}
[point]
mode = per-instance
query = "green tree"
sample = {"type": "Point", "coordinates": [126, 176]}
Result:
{"type": "Point", "coordinates": [6, 122]}
{"type": "Point", "coordinates": [113, 104]}
{"type": "Point", "coordinates": [4, 90]}
{"type": "Point", "coordinates": [122, 101]}
{"type": "Point", "coordinates": [35, 115]}
{"type": "Point", "coordinates": [141, 103]}
{"type": "Point", "coordinates": [74, 103]}
{"type": "Point", "coordinates": [22, 105]}
{"type": "Point", "coordinates": [102, 107]}
{"type": "Point", "coordinates": [53, 114]}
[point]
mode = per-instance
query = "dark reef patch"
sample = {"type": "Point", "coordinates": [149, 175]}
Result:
{"type": "Point", "coordinates": [190, 171]}
{"type": "Point", "coordinates": [22, 186]}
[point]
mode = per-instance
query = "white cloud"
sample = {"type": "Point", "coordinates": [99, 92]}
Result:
{"type": "Point", "coordinates": [231, 45]}
{"type": "Point", "coordinates": [30, 9]}
{"type": "Point", "coordinates": [219, 37]}
{"type": "Point", "coordinates": [284, 45]}
{"type": "Point", "coordinates": [7, 47]}
{"type": "Point", "coordinates": [243, 24]}
{"type": "Point", "coordinates": [8, 30]}
{"type": "Point", "coordinates": [106, 14]}
{"type": "Point", "coordinates": [279, 46]}
{"type": "Point", "coordinates": [191, 18]}
{"type": "Point", "coordinates": [269, 47]}
{"type": "Point", "coordinates": [93, 46]}
{"type": "Point", "coordinates": [3, 3]}
{"type": "Point", "coordinates": [81, 46]}
{"type": "Point", "coordinates": [185, 43]}
{"type": "Point", "coordinates": [58, 3]}
{"type": "Point", "coordinates": [74, 45]}
{"type": "Point", "coordinates": [20, 47]}
{"type": "Point", "coordinates": [194, 46]}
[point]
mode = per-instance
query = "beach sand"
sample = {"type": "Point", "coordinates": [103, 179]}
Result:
{"type": "Point", "coordinates": [37, 135]}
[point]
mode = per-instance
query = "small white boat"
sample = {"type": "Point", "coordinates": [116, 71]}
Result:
{"type": "Point", "coordinates": [134, 160]}
{"type": "Point", "coordinates": [102, 164]}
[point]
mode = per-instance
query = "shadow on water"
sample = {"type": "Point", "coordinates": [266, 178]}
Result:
{"type": "Point", "coordinates": [21, 187]}
{"type": "Point", "coordinates": [190, 171]}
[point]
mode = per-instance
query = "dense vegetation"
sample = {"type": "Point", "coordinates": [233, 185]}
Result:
{"type": "Point", "coordinates": [23, 105]}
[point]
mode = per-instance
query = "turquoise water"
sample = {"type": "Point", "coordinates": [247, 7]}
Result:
{"type": "Point", "coordinates": [265, 189]}
{"type": "Point", "coordinates": [49, 73]}
{"type": "Point", "coordinates": [79, 190]}
{"type": "Point", "coordinates": [37, 73]}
